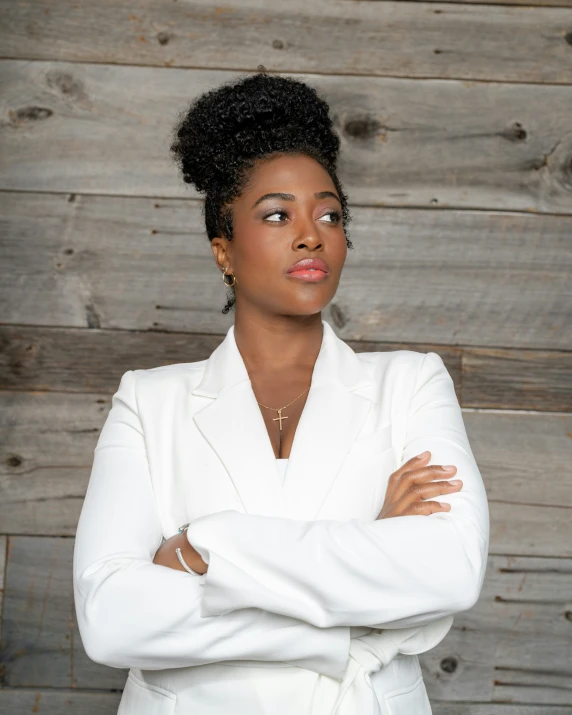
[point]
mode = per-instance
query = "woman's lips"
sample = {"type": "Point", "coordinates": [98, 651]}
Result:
{"type": "Point", "coordinates": [312, 275]}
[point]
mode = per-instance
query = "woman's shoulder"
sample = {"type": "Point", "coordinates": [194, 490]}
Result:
{"type": "Point", "coordinates": [403, 367]}
{"type": "Point", "coordinates": [177, 368]}
{"type": "Point", "coordinates": [400, 358]}
{"type": "Point", "coordinates": [161, 377]}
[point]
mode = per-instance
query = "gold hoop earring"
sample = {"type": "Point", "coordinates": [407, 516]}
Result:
{"type": "Point", "coordinates": [224, 275]}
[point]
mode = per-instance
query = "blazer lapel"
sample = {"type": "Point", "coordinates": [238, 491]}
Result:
{"type": "Point", "coordinates": [233, 425]}
{"type": "Point", "coordinates": [332, 418]}
{"type": "Point", "coordinates": [335, 412]}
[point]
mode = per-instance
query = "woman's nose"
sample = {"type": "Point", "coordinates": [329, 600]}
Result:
{"type": "Point", "coordinates": [308, 234]}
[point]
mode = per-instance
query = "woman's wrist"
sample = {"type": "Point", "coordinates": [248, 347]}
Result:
{"type": "Point", "coordinates": [167, 555]}
{"type": "Point", "coordinates": [190, 555]}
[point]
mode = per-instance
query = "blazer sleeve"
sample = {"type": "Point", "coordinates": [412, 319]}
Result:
{"type": "Point", "coordinates": [133, 613]}
{"type": "Point", "coordinates": [391, 573]}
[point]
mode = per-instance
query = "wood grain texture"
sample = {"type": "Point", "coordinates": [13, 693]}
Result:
{"type": "Point", "coordinates": [523, 528]}
{"type": "Point", "coordinates": [93, 360]}
{"type": "Point", "coordinates": [48, 438]}
{"type": "Point", "coordinates": [3, 546]}
{"type": "Point", "coordinates": [80, 360]}
{"type": "Point", "coordinates": [535, 3]}
{"type": "Point", "coordinates": [511, 379]}
{"type": "Point", "coordinates": [456, 154]}
{"type": "Point", "coordinates": [514, 645]}
{"type": "Point", "coordinates": [41, 644]}
{"type": "Point", "coordinates": [443, 708]}
{"type": "Point", "coordinates": [46, 454]}
{"type": "Point", "coordinates": [525, 460]}
{"type": "Point", "coordinates": [401, 39]}
{"type": "Point", "coordinates": [523, 600]}
{"type": "Point", "coordinates": [61, 702]}
{"type": "Point", "coordinates": [105, 129]}
{"type": "Point", "coordinates": [36, 632]}
{"type": "Point", "coordinates": [53, 702]}
{"type": "Point", "coordinates": [415, 276]}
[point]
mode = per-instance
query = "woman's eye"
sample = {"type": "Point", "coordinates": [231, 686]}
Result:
{"type": "Point", "coordinates": [279, 216]}
{"type": "Point", "coordinates": [334, 216]}
{"type": "Point", "coordinates": [268, 217]}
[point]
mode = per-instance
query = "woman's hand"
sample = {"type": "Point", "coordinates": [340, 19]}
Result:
{"type": "Point", "coordinates": [166, 555]}
{"type": "Point", "coordinates": [413, 483]}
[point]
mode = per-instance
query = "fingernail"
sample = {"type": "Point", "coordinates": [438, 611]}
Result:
{"type": "Point", "coordinates": [448, 468]}
{"type": "Point", "coordinates": [423, 454]}
{"type": "Point", "coordinates": [445, 505]}
{"type": "Point", "coordinates": [455, 481]}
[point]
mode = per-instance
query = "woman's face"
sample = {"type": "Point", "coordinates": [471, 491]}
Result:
{"type": "Point", "coordinates": [289, 211]}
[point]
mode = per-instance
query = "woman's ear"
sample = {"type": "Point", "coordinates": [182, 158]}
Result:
{"type": "Point", "coordinates": [219, 246]}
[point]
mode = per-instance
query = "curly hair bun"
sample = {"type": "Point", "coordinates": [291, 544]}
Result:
{"type": "Point", "coordinates": [226, 129]}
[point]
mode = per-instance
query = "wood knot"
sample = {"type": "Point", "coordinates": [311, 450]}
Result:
{"type": "Point", "coordinates": [65, 83]}
{"type": "Point", "coordinates": [29, 114]}
{"type": "Point", "coordinates": [93, 319]}
{"type": "Point", "coordinates": [449, 664]}
{"type": "Point", "coordinates": [163, 37]}
{"type": "Point", "coordinates": [14, 461]}
{"type": "Point", "coordinates": [361, 128]}
{"type": "Point", "coordinates": [515, 133]}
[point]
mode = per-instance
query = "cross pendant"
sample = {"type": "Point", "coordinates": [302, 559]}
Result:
{"type": "Point", "coordinates": [280, 417]}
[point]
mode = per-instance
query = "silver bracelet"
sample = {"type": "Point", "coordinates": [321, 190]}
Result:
{"type": "Point", "coordinates": [184, 563]}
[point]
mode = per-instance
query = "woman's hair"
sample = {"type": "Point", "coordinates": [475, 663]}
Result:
{"type": "Point", "coordinates": [227, 129]}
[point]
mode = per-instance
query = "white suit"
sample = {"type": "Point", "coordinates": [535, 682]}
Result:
{"type": "Point", "coordinates": [310, 605]}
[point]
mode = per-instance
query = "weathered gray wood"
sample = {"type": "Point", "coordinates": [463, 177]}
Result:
{"type": "Point", "coordinates": [46, 453]}
{"type": "Point", "coordinates": [36, 633]}
{"type": "Point", "coordinates": [53, 702]}
{"type": "Point", "coordinates": [41, 644]}
{"type": "Point", "coordinates": [107, 129]}
{"type": "Point", "coordinates": [514, 645]}
{"type": "Point", "coordinates": [523, 601]}
{"type": "Point", "coordinates": [491, 293]}
{"type": "Point", "coordinates": [400, 39]}
{"type": "Point", "coordinates": [525, 460]}
{"type": "Point", "coordinates": [441, 708]}
{"type": "Point", "coordinates": [62, 702]}
{"type": "Point", "coordinates": [536, 3]}
{"type": "Point", "coordinates": [529, 528]}
{"type": "Point", "coordinates": [517, 379]}
{"type": "Point", "coordinates": [79, 360]}
{"type": "Point", "coordinates": [414, 276]}
{"type": "Point", "coordinates": [3, 543]}
{"type": "Point", "coordinates": [47, 450]}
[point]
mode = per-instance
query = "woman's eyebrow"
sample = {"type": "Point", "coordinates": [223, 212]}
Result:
{"type": "Point", "coordinates": [291, 197]}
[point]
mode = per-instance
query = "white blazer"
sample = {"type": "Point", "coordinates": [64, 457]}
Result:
{"type": "Point", "coordinates": [310, 605]}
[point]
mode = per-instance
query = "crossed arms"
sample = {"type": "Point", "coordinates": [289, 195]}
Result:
{"type": "Point", "coordinates": [276, 589]}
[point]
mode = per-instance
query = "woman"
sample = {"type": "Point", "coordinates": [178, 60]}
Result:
{"type": "Point", "coordinates": [243, 546]}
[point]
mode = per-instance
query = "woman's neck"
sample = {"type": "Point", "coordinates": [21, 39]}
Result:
{"type": "Point", "coordinates": [278, 343]}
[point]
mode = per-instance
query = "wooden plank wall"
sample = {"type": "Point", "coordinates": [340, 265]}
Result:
{"type": "Point", "coordinates": [456, 128]}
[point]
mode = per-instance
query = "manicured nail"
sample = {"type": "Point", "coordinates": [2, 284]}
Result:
{"type": "Point", "coordinates": [456, 482]}
{"type": "Point", "coordinates": [423, 454]}
{"type": "Point", "coordinates": [445, 505]}
{"type": "Point", "coordinates": [448, 468]}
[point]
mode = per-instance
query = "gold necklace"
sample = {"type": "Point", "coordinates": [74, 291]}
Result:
{"type": "Point", "coordinates": [280, 418]}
